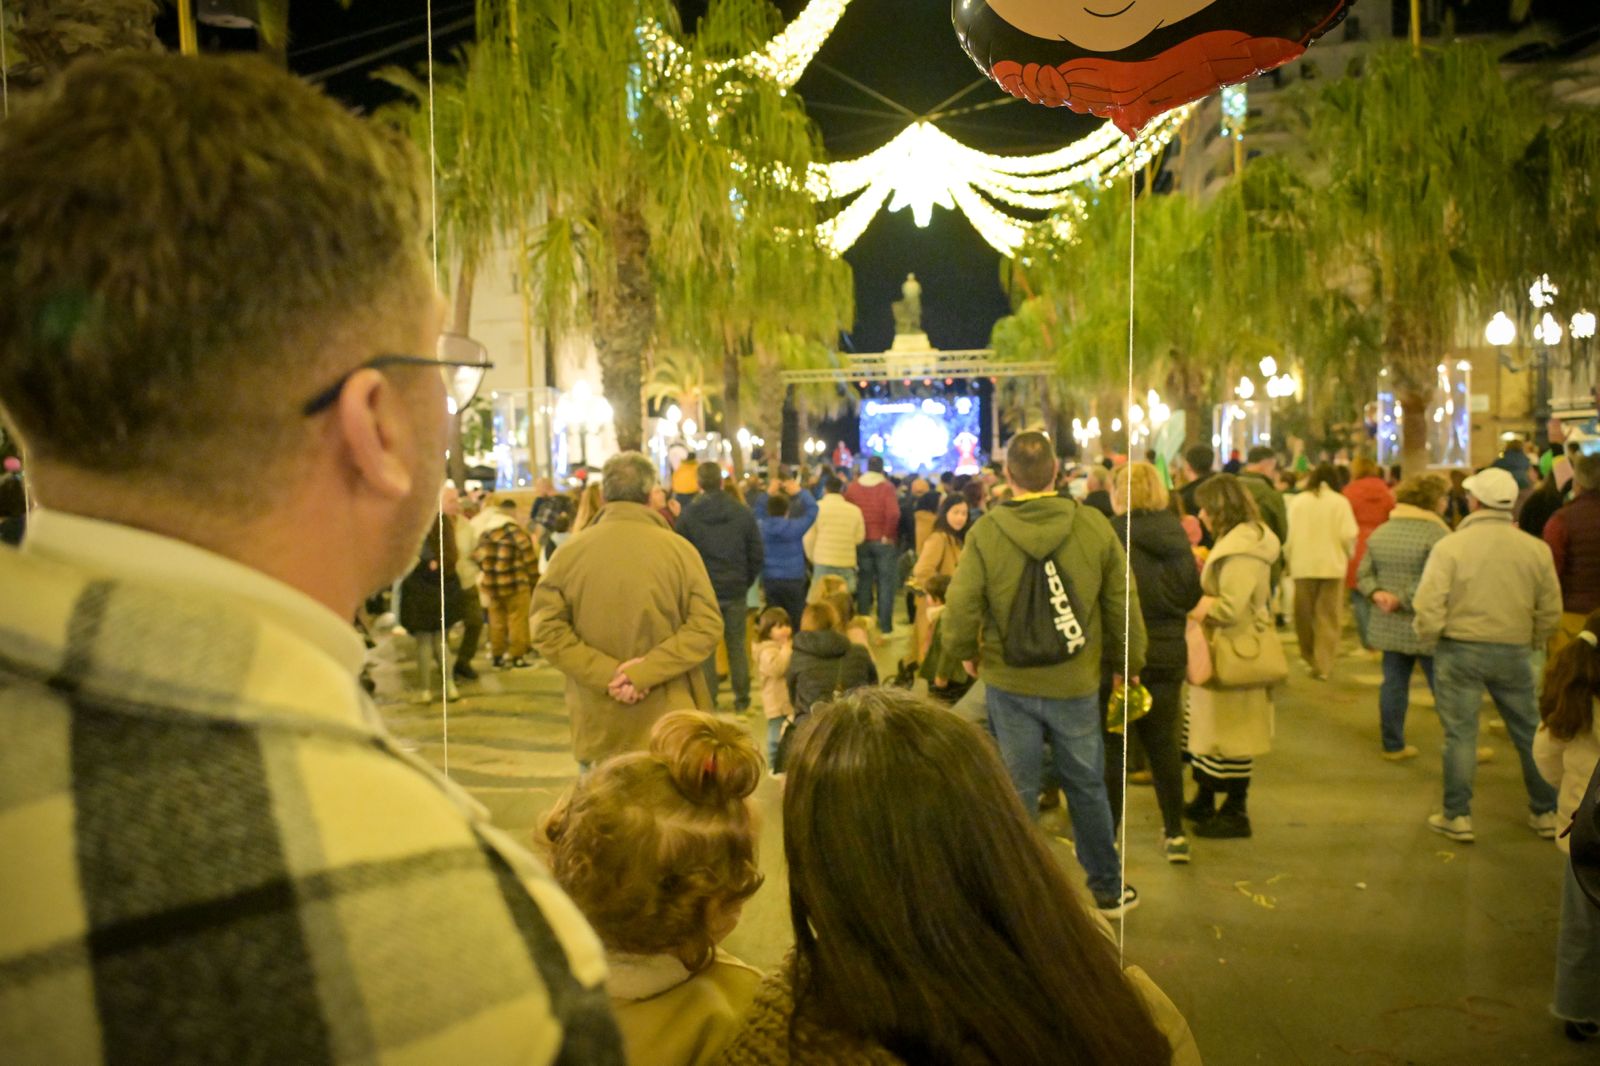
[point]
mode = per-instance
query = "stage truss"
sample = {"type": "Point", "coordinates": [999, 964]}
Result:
{"type": "Point", "coordinates": [902, 366]}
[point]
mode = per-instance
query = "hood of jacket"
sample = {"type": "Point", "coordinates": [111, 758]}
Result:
{"type": "Point", "coordinates": [1036, 526]}
{"type": "Point", "coordinates": [1249, 538]}
{"type": "Point", "coordinates": [824, 643]}
{"type": "Point", "coordinates": [497, 518]}
{"type": "Point", "coordinates": [870, 479]}
{"type": "Point", "coordinates": [716, 509]}
{"type": "Point", "coordinates": [1158, 534]}
{"type": "Point", "coordinates": [1411, 512]}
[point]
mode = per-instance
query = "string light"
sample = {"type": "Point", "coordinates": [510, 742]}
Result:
{"type": "Point", "coordinates": [924, 167]}
{"type": "Point", "coordinates": [784, 58]}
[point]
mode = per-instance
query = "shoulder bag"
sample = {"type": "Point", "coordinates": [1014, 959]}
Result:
{"type": "Point", "coordinates": [1248, 656]}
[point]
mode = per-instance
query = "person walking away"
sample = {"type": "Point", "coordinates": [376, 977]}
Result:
{"type": "Point", "coordinates": [1567, 749]}
{"type": "Point", "coordinates": [1260, 477]}
{"type": "Point", "coordinates": [725, 534]}
{"type": "Point", "coordinates": [1230, 727]}
{"type": "Point", "coordinates": [1371, 500]}
{"type": "Point", "coordinates": [774, 649]}
{"type": "Point", "coordinates": [1099, 494]}
{"type": "Point", "coordinates": [902, 948]}
{"type": "Point", "coordinates": [825, 662]}
{"type": "Point", "coordinates": [1169, 588]}
{"type": "Point", "coordinates": [1537, 507]}
{"type": "Point", "coordinates": [832, 539]}
{"type": "Point", "coordinates": [1514, 461]}
{"type": "Point", "coordinates": [789, 515]}
{"type": "Point", "coordinates": [939, 556]}
{"type": "Point", "coordinates": [878, 557]}
{"type": "Point", "coordinates": [658, 849]}
{"type": "Point", "coordinates": [468, 607]}
{"type": "Point", "coordinates": [1488, 595]}
{"type": "Point", "coordinates": [215, 852]}
{"type": "Point", "coordinates": [1070, 550]}
{"type": "Point", "coordinates": [1322, 536]}
{"type": "Point", "coordinates": [508, 568]}
{"type": "Point", "coordinates": [627, 613]}
{"type": "Point", "coordinates": [1573, 535]}
{"type": "Point", "coordinates": [1388, 577]}
{"type": "Point", "coordinates": [1460, 502]}
{"type": "Point", "coordinates": [1199, 463]}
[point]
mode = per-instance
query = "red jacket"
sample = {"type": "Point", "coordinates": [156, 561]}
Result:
{"type": "Point", "coordinates": [880, 506]}
{"type": "Point", "coordinates": [1573, 534]}
{"type": "Point", "coordinates": [1372, 501]}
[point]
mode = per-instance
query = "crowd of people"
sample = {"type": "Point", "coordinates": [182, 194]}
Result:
{"type": "Point", "coordinates": [228, 857]}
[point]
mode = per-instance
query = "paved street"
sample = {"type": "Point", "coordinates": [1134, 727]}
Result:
{"type": "Point", "coordinates": [1343, 932]}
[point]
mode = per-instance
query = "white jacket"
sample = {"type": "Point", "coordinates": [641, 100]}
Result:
{"type": "Point", "coordinates": [1322, 534]}
{"type": "Point", "coordinates": [1489, 583]}
{"type": "Point", "coordinates": [832, 539]}
{"type": "Point", "coordinates": [1567, 764]}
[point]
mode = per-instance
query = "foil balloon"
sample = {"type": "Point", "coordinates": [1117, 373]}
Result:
{"type": "Point", "coordinates": [1130, 60]}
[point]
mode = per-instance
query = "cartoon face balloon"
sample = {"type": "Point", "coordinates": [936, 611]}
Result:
{"type": "Point", "coordinates": [1130, 60]}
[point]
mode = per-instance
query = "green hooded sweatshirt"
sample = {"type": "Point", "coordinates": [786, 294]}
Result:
{"type": "Point", "coordinates": [1085, 549]}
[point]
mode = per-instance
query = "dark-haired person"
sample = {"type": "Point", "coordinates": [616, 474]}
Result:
{"type": "Point", "coordinates": [877, 557]}
{"type": "Point", "coordinates": [1567, 748]}
{"type": "Point", "coordinates": [1573, 534]}
{"type": "Point", "coordinates": [939, 555]}
{"type": "Point", "coordinates": [955, 937]}
{"type": "Point", "coordinates": [1199, 463]}
{"type": "Point", "coordinates": [784, 522]}
{"type": "Point", "coordinates": [215, 853]}
{"type": "Point", "coordinates": [832, 540]}
{"type": "Point", "coordinates": [824, 661]}
{"type": "Point", "coordinates": [1230, 727]}
{"type": "Point", "coordinates": [1059, 703]}
{"type": "Point", "coordinates": [725, 534]}
{"type": "Point", "coordinates": [1322, 536]}
{"type": "Point", "coordinates": [13, 509]}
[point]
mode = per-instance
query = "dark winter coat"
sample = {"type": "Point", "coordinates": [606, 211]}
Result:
{"type": "Point", "coordinates": [784, 539]}
{"type": "Point", "coordinates": [1168, 582]}
{"type": "Point", "coordinates": [724, 532]}
{"type": "Point", "coordinates": [824, 662]}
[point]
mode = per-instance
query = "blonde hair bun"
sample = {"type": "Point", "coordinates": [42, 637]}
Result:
{"type": "Point", "coordinates": [711, 762]}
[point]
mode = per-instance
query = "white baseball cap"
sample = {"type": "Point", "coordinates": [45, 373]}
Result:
{"type": "Point", "coordinates": [1494, 488]}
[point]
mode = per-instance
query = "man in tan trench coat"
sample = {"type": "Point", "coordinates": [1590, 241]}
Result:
{"type": "Point", "coordinates": [626, 611]}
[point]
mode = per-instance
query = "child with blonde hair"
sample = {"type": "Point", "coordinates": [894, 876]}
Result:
{"type": "Point", "coordinates": [658, 850]}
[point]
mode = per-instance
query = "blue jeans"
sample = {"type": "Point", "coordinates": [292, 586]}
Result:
{"type": "Point", "coordinates": [1361, 612]}
{"type": "Point", "coordinates": [733, 629]}
{"type": "Point", "coordinates": [1395, 696]}
{"type": "Point", "coordinates": [820, 571]}
{"type": "Point", "coordinates": [880, 572]}
{"type": "Point", "coordinates": [1020, 724]}
{"type": "Point", "coordinates": [774, 734]}
{"type": "Point", "coordinates": [1462, 671]}
{"type": "Point", "coordinates": [1577, 954]}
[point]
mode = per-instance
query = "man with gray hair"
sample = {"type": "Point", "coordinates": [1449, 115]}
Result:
{"type": "Point", "coordinates": [1573, 534]}
{"type": "Point", "coordinates": [627, 612]}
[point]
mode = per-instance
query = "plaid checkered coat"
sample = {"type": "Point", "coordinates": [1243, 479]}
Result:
{"type": "Point", "coordinates": [1396, 554]}
{"type": "Point", "coordinates": [213, 854]}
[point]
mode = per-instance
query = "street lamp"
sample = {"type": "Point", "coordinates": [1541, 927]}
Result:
{"type": "Point", "coordinates": [1583, 326]}
{"type": "Point", "coordinates": [1548, 332]}
{"type": "Point", "coordinates": [1245, 389]}
{"type": "Point", "coordinates": [1501, 331]}
{"type": "Point", "coordinates": [1269, 367]}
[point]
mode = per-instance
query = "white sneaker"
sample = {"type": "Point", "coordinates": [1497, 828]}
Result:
{"type": "Point", "coordinates": [1457, 828]}
{"type": "Point", "coordinates": [1543, 824]}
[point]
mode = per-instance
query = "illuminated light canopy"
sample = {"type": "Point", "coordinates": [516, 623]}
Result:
{"type": "Point", "coordinates": [923, 167]}
{"type": "Point", "coordinates": [784, 58]}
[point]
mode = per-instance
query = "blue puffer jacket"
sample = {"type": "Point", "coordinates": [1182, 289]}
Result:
{"type": "Point", "coordinates": [786, 554]}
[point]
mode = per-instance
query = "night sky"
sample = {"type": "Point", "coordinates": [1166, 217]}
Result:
{"type": "Point", "coordinates": [905, 50]}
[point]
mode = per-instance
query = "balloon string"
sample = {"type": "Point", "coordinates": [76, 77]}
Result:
{"type": "Point", "coordinates": [1127, 582]}
{"type": "Point", "coordinates": [433, 208]}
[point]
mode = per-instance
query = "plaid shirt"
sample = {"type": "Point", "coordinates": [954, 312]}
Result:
{"type": "Point", "coordinates": [215, 854]}
{"type": "Point", "coordinates": [507, 558]}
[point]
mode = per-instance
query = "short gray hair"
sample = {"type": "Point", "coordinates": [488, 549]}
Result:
{"type": "Point", "coordinates": [628, 477]}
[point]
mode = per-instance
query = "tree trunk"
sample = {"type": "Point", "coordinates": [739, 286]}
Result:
{"type": "Point", "coordinates": [1187, 384]}
{"type": "Point", "coordinates": [624, 323]}
{"type": "Point", "coordinates": [1413, 430]}
{"type": "Point", "coordinates": [461, 322]}
{"type": "Point", "coordinates": [766, 421]}
{"type": "Point", "coordinates": [732, 409]}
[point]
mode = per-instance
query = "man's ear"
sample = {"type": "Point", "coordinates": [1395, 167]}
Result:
{"type": "Point", "coordinates": [375, 430]}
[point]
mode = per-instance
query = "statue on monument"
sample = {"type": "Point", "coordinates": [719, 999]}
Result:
{"type": "Point", "coordinates": [908, 309]}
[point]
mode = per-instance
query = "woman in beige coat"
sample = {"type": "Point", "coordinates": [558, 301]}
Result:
{"type": "Point", "coordinates": [1229, 727]}
{"type": "Point", "coordinates": [939, 555]}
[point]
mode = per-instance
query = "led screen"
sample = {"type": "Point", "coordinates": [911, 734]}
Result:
{"type": "Point", "coordinates": [923, 435]}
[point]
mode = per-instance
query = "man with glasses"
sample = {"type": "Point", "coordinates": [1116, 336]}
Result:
{"type": "Point", "coordinates": [219, 345]}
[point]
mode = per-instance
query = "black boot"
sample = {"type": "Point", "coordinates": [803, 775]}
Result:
{"type": "Point", "coordinates": [1233, 819]}
{"type": "Point", "coordinates": [1202, 808]}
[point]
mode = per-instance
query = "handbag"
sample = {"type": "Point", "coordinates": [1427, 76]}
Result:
{"type": "Point", "coordinates": [1248, 657]}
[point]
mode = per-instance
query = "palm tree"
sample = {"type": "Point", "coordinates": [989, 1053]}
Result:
{"type": "Point", "coordinates": [43, 36]}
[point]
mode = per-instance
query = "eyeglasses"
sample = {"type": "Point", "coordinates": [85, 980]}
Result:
{"type": "Point", "coordinates": [461, 361]}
